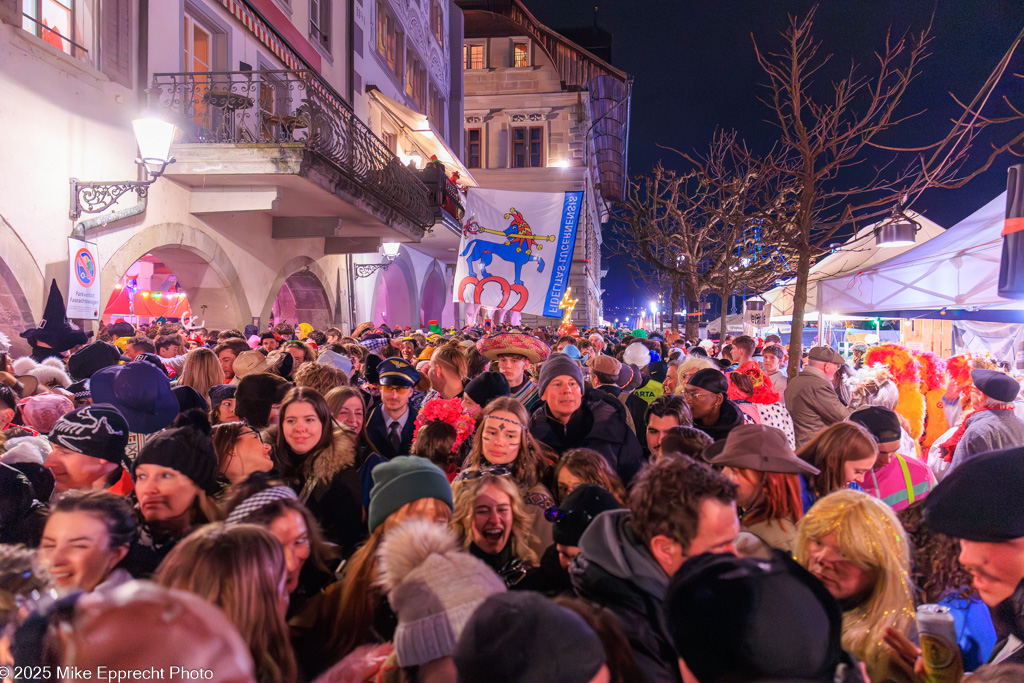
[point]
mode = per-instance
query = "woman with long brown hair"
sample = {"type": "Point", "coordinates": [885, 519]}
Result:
{"type": "Point", "coordinates": [586, 466]}
{"type": "Point", "coordinates": [316, 456]}
{"type": "Point", "coordinates": [240, 569]}
{"type": "Point", "coordinates": [503, 439]}
{"type": "Point", "coordinates": [843, 453]}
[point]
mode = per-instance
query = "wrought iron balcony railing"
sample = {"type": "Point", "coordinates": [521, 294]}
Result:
{"type": "Point", "coordinates": [444, 194]}
{"type": "Point", "coordinates": [279, 107]}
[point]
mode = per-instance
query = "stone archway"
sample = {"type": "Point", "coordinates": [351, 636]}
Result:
{"type": "Point", "coordinates": [432, 301]}
{"type": "Point", "coordinates": [202, 267]}
{"type": "Point", "coordinates": [395, 299]}
{"type": "Point", "coordinates": [300, 294]}
{"type": "Point", "coordinates": [18, 272]}
{"type": "Point", "coordinates": [302, 299]}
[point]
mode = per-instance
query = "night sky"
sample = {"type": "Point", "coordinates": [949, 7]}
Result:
{"type": "Point", "coordinates": [694, 69]}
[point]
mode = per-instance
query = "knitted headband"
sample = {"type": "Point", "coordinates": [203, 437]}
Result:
{"type": "Point", "coordinates": [258, 500]}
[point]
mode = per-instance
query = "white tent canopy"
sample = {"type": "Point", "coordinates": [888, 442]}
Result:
{"type": "Point", "coordinates": [957, 269]}
{"type": "Point", "coordinates": [863, 254]}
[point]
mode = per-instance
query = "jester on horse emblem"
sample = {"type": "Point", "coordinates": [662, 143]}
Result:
{"type": "Point", "coordinates": [517, 249]}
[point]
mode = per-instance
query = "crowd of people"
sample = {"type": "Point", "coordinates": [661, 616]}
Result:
{"type": "Point", "coordinates": [384, 504]}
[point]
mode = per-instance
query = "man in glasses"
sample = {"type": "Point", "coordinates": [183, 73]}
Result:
{"type": "Point", "coordinates": [390, 424]}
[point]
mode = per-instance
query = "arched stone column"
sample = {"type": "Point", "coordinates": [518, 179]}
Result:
{"type": "Point", "coordinates": [309, 268]}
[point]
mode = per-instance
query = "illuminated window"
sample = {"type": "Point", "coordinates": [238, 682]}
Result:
{"type": "Point", "coordinates": [520, 55]}
{"type": "Point", "coordinates": [474, 56]}
{"type": "Point", "coordinates": [528, 147]}
{"type": "Point", "coordinates": [389, 40]}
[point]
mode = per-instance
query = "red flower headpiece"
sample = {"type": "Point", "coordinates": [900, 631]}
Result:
{"type": "Point", "coordinates": [765, 392]}
{"type": "Point", "coordinates": [450, 411]}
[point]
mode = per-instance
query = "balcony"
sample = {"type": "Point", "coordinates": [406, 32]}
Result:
{"type": "Point", "coordinates": [445, 198]}
{"type": "Point", "coordinates": [289, 133]}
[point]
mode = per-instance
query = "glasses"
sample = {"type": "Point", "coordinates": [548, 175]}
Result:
{"type": "Point", "coordinates": [691, 395]}
{"type": "Point", "coordinates": [496, 471]}
{"type": "Point", "coordinates": [394, 389]}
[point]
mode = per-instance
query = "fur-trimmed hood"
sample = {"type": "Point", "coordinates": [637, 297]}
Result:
{"type": "Point", "coordinates": [339, 454]}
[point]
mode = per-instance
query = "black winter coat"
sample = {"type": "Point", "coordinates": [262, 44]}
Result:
{"type": "Point", "coordinates": [599, 424]}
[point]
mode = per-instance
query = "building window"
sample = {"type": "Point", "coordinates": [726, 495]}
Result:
{"type": "Point", "coordinates": [437, 107]}
{"type": "Point", "coordinates": [54, 22]}
{"type": "Point", "coordinates": [389, 40]}
{"type": "Point", "coordinates": [437, 21]}
{"type": "Point", "coordinates": [391, 141]}
{"type": "Point", "coordinates": [416, 81]}
{"type": "Point", "coordinates": [473, 55]}
{"type": "Point", "coordinates": [198, 44]}
{"type": "Point", "coordinates": [520, 55]}
{"type": "Point", "coordinates": [528, 147]}
{"type": "Point", "coordinates": [320, 22]}
{"type": "Point", "coordinates": [474, 147]}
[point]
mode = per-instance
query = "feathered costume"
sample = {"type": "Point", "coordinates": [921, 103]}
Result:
{"type": "Point", "coordinates": [907, 373]}
{"type": "Point", "coordinates": [934, 380]}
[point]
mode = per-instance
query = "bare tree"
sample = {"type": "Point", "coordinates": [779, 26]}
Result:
{"type": "Point", "coordinates": [701, 230]}
{"type": "Point", "coordinates": [830, 130]}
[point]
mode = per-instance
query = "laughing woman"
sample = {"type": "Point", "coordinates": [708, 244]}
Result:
{"type": "Point", "coordinates": [316, 456]}
{"type": "Point", "coordinates": [490, 517]}
{"type": "Point", "coordinates": [86, 537]}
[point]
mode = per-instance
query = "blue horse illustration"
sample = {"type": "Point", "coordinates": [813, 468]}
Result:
{"type": "Point", "coordinates": [519, 240]}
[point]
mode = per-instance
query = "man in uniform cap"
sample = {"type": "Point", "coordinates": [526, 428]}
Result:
{"type": "Point", "coordinates": [810, 398]}
{"type": "Point", "coordinates": [390, 424]}
{"type": "Point", "coordinates": [979, 504]}
{"type": "Point", "coordinates": [993, 424]}
{"type": "Point", "coordinates": [897, 480]}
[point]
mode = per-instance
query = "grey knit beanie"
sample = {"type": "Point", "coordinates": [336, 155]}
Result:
{"type": "Point", "coordinates": [556, 365]}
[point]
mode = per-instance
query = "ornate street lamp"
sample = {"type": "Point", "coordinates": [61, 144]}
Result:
{"type": "Point", "coordinates": [390, 250]}
{"type": "Point", "coordinates": [154, 139]}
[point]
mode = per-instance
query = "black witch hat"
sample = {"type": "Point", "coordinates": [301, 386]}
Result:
{"type": "Point", "coordinates": [54, 329]}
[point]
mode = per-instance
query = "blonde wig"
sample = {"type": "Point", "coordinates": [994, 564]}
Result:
{"type": "Point", "coordinates": [868, 534]}
{"type": "Point", "coordinates": [202, 371]}
{"type": "Point", "coordinates": [467, 491]}
{"type": "Point", "coordinates": [691, 365]}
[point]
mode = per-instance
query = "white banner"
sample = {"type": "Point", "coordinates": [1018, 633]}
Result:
{"type": "Point", "coordinates": [83, 280]}
{"type": "Point", "coordinates": [516, 250]}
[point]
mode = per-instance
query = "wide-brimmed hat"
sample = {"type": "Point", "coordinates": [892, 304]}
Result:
{"type": "Point", "coordinates": [760, 448]}
{"type": "Point", "coordinates": [533, 349]}
{"type": "Point", "coordinates": [54, 329]}
{"type": "Point", "coordinates": [249, 363]}
{"type": "Point", "coordinates": [140, 391]}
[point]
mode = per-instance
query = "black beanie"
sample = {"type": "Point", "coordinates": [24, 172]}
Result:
{"type": "Point", "coordinates": [709, 380]}
{"type": "Point", "coordinates": [189, 398]}
{"type": "Point", "coordinates": [486, 387]}
{"type": "Point", "coordinates": [98, 430]}
{"type": "Point", "coordinates": [92, 357]}
{"type": "Point", "coordinates": [256, 395]}
{"type": "Point", "coordinates": [578, 510]}
{"type": "Point", "coordinates": [185, 449]}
